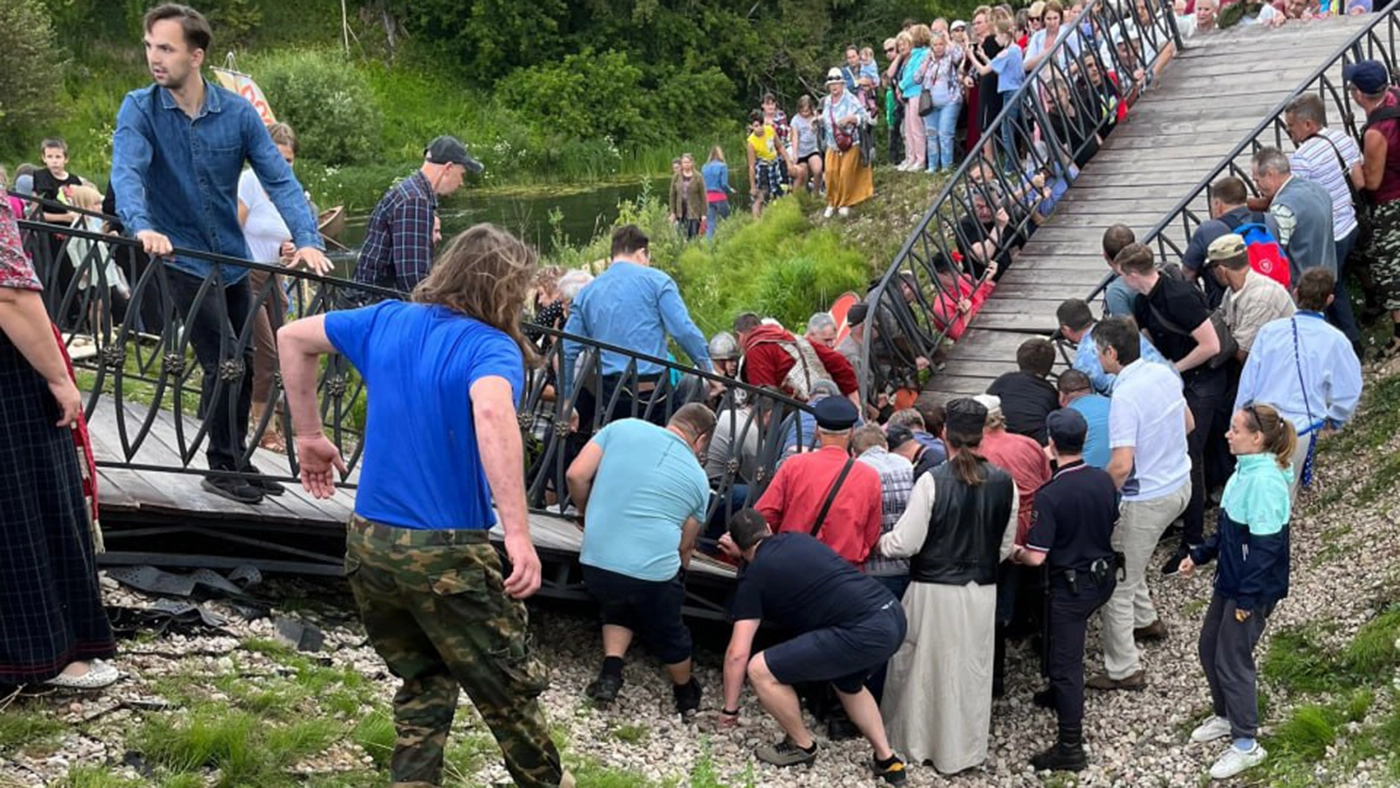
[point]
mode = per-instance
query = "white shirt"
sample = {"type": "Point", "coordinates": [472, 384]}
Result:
{"type": "Point", "coordinates": [1148, 415]}
{"type": "Point", "coordinates": [1315, 160]}
{"type": "Point", "coordinates": [264, 231]}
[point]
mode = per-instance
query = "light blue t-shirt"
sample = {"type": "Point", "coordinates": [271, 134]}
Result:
{"type": "Point", "coordinates": [648, 483]}
{"type": "Point", "coordinates": [1094, 409]}
{"type": "Point", "coordinates": [421, 467]}
{"type": "Point", "coordinates": [1010, 68]}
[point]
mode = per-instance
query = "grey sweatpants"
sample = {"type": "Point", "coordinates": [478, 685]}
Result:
{"type": "Point", "coordinates": [1227, 656]}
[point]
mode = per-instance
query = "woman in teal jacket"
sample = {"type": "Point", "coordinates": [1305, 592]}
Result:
{"type": "Point", "coordinates": [1251, 543]}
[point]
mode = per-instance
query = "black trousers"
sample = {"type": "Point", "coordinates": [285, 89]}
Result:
{"type": "Point", "coordinates": [213, 326]}
{"type": "Point", "coordinates": [1207, 396]}
{"type": "Point", "coordinates": [650, 404]}
{"type": "Point", "coordinates": [1069, 620]}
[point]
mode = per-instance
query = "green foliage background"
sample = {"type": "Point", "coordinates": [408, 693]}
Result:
{"type": "Point", "coordinates": [544, 92]}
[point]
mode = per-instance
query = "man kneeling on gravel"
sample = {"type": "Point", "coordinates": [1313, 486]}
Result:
{"type": "Point", "coordinates": [847, 625]}
{"type": "Point", "coordinates": [644, 494]}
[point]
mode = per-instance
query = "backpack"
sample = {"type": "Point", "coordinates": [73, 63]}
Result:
{"type": "Point", "coordinates": [1266, 255]}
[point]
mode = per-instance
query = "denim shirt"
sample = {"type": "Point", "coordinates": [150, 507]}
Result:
{"type": "Point", "coordinates": [178, 175]}
{"type": "Point", "coordinates": [716, 175]}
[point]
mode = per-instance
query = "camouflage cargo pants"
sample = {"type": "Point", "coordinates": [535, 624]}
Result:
{"type": "Point", "coordinates": [435, 610]}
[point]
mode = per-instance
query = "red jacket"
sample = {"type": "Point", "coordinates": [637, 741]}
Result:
{"type": "Point", "coordinates": [795, 497]}
{"type": "Point", "coordinates": [945, 306]}
{"type": "Point", "coordinates": [767, 364]}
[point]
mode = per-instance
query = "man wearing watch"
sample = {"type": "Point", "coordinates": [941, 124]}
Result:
{"type": "Point", "coordinates": [846, 625]}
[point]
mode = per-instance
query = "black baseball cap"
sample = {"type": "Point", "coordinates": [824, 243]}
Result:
{"type": "Point", "coordinates": [450, 150]}
{"type": "Point", "coordinates": [1068, 429]}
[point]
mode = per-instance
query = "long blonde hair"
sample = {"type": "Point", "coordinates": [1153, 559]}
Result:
{"type": "Point", "coordinates": [484, 273]}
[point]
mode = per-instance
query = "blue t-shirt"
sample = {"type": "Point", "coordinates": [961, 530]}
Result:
{"type": "Point", "coordinates": [1010, 68]}
{"type": "Point", "coordinates": [1094, 409]}
{"type": "Point", "coordinates": [648, 483]}
{"type": "Point", "coordinates": [421, 467]}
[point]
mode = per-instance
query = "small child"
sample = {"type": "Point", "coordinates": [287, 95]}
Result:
{"type": "Point", "coordinates": [1009, 67]}
{"type": "Point", "coordinates": [52, 182]}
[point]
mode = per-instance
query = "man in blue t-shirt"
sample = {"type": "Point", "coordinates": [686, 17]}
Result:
{"type": "Point", "coordinates": [643, 495]}
{"type": "Point", "coordinates": [1076, 393]}
{"type": "Point", "coordinates": [845, 626]}
{"type": "Point", "coordinates": [441, 445]}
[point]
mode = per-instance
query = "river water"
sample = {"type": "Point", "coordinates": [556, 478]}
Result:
{"type": "Point", "coordinates": [583, 212]}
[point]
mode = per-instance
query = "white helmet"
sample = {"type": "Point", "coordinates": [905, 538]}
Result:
{"type": "Point", "coordinates": [723, 347]}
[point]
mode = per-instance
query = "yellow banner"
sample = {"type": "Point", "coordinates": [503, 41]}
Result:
{"type": "Point", "coordinates": [243, 85]}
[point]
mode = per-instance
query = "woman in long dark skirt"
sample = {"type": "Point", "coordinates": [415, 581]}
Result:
{"type": "Point", "coordinates": [52, 626]}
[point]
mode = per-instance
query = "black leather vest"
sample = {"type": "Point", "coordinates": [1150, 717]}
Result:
{"type": "Point", "coordinates": [964, 533]}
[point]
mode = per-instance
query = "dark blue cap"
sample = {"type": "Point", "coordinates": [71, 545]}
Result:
{"type": "Point", "coordinates": [835, 414]}
{"type": "Point", "coordinates": [1368, 76]}
{"type": "Point", "coordinates": [1067, 429]}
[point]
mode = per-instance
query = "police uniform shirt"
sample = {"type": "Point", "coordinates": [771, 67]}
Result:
{"type": "Point", "coordinates": [1073, 517]}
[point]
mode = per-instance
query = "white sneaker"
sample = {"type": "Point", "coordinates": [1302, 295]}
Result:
{"type": "Point", "coordinates": [827, 214]}
{"type": "Point", "coordinates": [1210, 730]}
{"type": "Point", "coordinates": [1235, 761]}
{"type": "Point", "coordinates": [844, 212]}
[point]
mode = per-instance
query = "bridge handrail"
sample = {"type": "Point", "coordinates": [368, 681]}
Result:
{"type": "Point", "coordinates": [1186, 215]}
{"type": "Point", "coordinates": [131, 349]}
{"type": "Point", "coordinates": [905, 334]}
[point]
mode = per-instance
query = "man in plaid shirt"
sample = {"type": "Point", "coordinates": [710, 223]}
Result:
{"type": "Point", "coordinates": [896, 481]}
{"type": "Point", "coordinates": [398, 250]}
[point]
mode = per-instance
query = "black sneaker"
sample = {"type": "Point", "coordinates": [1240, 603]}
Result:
{"type": "Point", "coordinates": [603, 690]}
{"type": "Point", "coordinates": [1061, 757]}
{"type": "Point", "coordinates": [1173, 564]}
{"type": "Point", "coordinates": [891, 771]}
{"type": "Point", "coordinates": [840, 728]}
{"type": "Point", "coordinates": [687, 698]}
{"type": "Point", "coordinates": [233, 489]}
{"type": "Point", "coordinates": [268, 486]}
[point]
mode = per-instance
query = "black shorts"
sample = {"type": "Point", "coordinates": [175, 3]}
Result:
{"type": "Point", "coordinates": [844, 656]}
{"type": "Point", "coordinates": [807, 160]}
{"type": "Point", "coordinates": [649, 608]}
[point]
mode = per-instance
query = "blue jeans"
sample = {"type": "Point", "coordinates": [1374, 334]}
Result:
{"type": "Point", "coordinates": [941, 125]}
{"type": "Point", "coordinates": [1339, 313]}
{"type": "Point", "coordinates": [1008, 125]}
{"type": "Point", "coordinates": [716, 211]}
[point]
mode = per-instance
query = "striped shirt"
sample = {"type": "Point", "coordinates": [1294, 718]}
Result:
{"type": "Point", "coordinates": [896, 482]}
{"type": "Point", "coordinates": [1316, 161]}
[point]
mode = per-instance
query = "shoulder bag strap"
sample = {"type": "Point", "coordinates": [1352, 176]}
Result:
{"type": "Point", "coordinates": [1167, 324]}
{"type": "Point", "coordinates": [831, 496]}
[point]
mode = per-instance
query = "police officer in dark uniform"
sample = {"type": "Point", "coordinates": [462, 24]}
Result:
{"type": "Point", "coordinates": [1071, 532]}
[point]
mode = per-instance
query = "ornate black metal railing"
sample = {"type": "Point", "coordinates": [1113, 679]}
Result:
{"type": "Point", "coordinates": [1379, 40]}
{"type": "Point", "coordinates": [1027, 157]}
{"type": "Point", "coordinates": [125, 321]}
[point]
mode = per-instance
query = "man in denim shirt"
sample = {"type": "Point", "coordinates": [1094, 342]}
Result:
{"type": "Point", "coordinates": [180, 145]}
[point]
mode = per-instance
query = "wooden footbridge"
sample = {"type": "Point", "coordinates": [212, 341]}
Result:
{"type": "Point", "coordinates": [1212, 102]}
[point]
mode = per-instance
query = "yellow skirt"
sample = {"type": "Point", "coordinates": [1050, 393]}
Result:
{"type": "Point", "coordinates": [848, 182]}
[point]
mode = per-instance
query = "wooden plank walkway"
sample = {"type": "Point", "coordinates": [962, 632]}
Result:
{"type": "Point", "coordinates": [1211, 95]}
{"type": "Point", "coordinates": [177, 499]}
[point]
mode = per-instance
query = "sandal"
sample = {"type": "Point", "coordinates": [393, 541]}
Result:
{"type": "Point", "coordinates": [1390, 351]}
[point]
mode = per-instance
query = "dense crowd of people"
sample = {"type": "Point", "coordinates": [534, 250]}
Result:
{"type": "Point", "coordinates": [900, 542]}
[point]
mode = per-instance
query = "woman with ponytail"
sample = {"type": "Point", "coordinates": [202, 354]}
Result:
{"type": "Point", "coordinates": [1251, 542]}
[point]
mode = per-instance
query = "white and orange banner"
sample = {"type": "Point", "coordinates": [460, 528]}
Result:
{"type": "Point", "coordinates": [243, 85]}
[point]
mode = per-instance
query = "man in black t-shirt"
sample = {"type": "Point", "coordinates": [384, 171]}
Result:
{"type": "Point", "coordinates": [1072, 534]}
{"type": "Point", "coordinates": [1174, 316]}
{"type": "Point", "coordinates": [987, 234]}
{"type": "Point", "coordinates": [1026, 396]}
{"type": "Point", "coordinates": [846, 625]}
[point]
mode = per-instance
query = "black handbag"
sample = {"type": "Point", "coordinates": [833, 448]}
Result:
{"type": "Point", "coordinates": [925, 103]}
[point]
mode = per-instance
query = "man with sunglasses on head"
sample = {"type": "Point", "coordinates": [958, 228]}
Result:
{"type": "Point", "coordinates": [398, 250]}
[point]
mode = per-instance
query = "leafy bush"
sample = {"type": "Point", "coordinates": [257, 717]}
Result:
{"type": "Point", "coordinates": [328, 102]}
{"type": "Point", "coordinates": [589, 94]}
{"type": "Point", "coordinates": [31, 65]}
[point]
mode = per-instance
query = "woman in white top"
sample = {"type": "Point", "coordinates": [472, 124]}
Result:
{"type": "Point", "coordinates": [806, 150]}
{"type": "Point", "coordinates": [269, 242]}
{"type": "Point", "coordinates": [849, 178]}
